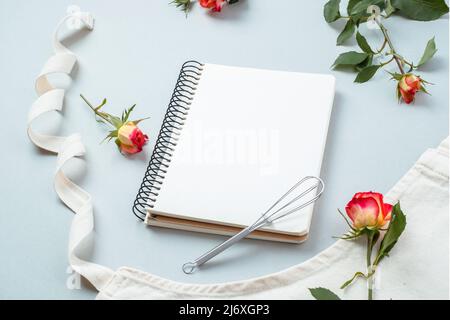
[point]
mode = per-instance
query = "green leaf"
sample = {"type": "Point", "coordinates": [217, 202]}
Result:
{"type": "Point", "coordinates": [395, 229]}
{"type": "Point", "coordinates": [135, 122]}
{"type": "Point", "coordinates": [350, 235]}
{"type": "Point", "coordinates": [323, 294]}
{"type": "Point", "coordinates": [331, 10]}
{"type": "Point", "coordinates": [399, 98]}
{"type": "Point", "coordinates": [361, 7]}
{"type": "Point", "coordinates": [355, 276]}
{"type": "Point", "coordinates": [99, 120]}
{"type": "Point", "coordinates": [390, 9]}
{"type": "Point", "coordinates": [126, 113]}
{"type": "Point", "coordinates": [101, 105]}
{"type": "Point", "coordinates": [424, 90]}
{"type": "Point", "coordinates": [348, 31]}
{"type": "Point", "coordinates": [362, 43]}
{"type": "Point", "coordinates": [356, 17]}
{"type": "Point", "coordinates": [115, 121]}
{"type": "Point", "coordinates": [422, 10]}
{"type": "Point", "coordinates": [184, 5]}
{"type": "Point", "coordinates": [351, 58]}
{"type": "Point", "coordinates": [429, 52]}
{"type": "Point", "coordinates": [365, 63]}
{"type": "Point", "coordinates": [376, 236]}
{"type": "Point", "coordinates": [396, 76]}
{"type": "Point", "coordinates": [351, 4]}
{"type": "Point", "coordinates": [112, 134]}
{"type": "Point", "coordinates": [366, 74]}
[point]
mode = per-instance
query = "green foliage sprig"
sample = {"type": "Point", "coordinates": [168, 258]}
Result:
{"type": "Point", "coordinates": [183, 5]}
{"type": "Point", "coordinates": [371, 59]}
{"type": "Point", "coordinates": [115, 122]}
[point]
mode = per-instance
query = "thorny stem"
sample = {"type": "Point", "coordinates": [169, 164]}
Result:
{"type": "Point", "coordinates": [369, 268]}
{"type": "Point", "coordinates": [411, 65]}
{"type": "Point", "coordinates": [389, 42]}
{"type": "Point", "coordinates": [387, 62]}
{"type": "Point", "coordinates": [377, 260]}
{"type": "Point", "coordinates": [382, 47]}
{"type": "Point", "coordinates": [93, 109]}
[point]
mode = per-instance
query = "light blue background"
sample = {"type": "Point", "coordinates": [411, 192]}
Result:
{"type": "Point", "coordinates": [133, 56]}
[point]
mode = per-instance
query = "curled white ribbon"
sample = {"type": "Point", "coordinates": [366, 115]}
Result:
{"type": "Point", "coordinates": [78, 200]}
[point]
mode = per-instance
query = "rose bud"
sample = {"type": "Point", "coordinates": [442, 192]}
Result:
{"type": "Point", "coordinates": [367, 210]}
{"type": "Point", "coordinates": [214, 5]}
{"type": "Point", "coordinates": [130, 138]}
{"type": "Point", "coordinates": [407, 87]}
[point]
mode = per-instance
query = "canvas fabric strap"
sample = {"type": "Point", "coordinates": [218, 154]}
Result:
{"type": "Point", "coordinates": [51, 99]}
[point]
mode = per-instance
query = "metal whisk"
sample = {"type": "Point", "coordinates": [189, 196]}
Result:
{"type": "Point", "coordinates": [277, 211]}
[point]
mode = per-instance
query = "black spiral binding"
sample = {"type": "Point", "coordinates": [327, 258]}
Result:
{"type": "Point", "coordinates": [172, 124]}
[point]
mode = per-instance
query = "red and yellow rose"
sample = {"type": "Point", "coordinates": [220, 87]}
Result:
{"type": "Point", "coordinates": [214, 5]}
{"type": "Point", "coordinates": [131, 139]}
{"type": "Point", "coordinates": [128, 137]}
{"type": "Point", "coordinates": [368, 210]}
{"type": "Point", "coordinates": [408, 86]}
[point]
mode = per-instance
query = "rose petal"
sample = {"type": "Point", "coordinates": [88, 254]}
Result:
{"type": "Point", "coordinates": [403, 85]}
{"type": "Point", "coordinates": [125, 132]}
{"type": "Point", "coordinates": [406, 96]}
{"type": "Point", "coordinates": [413, 82]}
{"type": "Point", "coordinates": [363, 212]}
{"type": "Point", "coordinates": [209, 4]}
{"type": "Point", "coordinates": [375, 195]}
{"type": "Point", "coordinates": [387, 211]}
{"type": "Point", "coordinates": [130, 149]}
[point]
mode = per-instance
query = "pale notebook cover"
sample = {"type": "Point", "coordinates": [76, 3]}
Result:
{"type": "Point", "coordinates": [248, 136]}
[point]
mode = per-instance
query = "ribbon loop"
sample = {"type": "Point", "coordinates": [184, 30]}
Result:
{"type": "Point", "coordinates": [67, 148]}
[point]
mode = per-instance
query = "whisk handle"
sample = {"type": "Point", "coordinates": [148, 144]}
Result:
{"type": "Point", "coordinates": [190, 267]}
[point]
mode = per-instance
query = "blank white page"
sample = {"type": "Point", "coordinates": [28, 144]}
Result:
{"type": "Point", "coordinates": [249, 136]}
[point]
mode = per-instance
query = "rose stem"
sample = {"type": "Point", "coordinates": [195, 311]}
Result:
{"type": "Point", "coordinates": [93, 109]}
{"type": "Point", "coordinates": [368, 258]}
{"type": "Point", "coordinates": [388, 40]}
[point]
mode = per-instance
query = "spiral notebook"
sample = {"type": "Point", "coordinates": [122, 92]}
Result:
{"type": "Point", "coordinates": [233, 140]}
